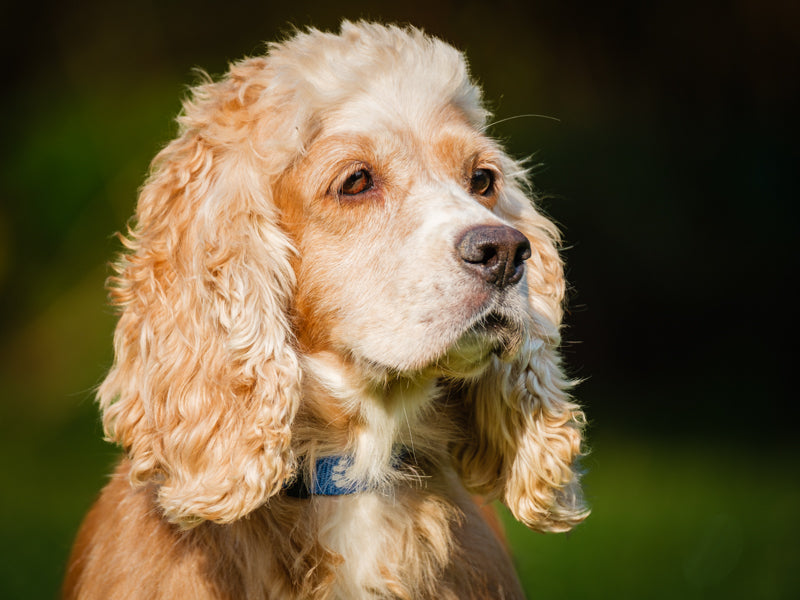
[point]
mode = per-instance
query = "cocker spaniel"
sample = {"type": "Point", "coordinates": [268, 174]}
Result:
{"type": "Point", "coordinates": [339, 326]}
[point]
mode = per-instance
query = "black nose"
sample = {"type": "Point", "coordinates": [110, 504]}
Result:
{"type": "Point", "coordinates": [496, 252]}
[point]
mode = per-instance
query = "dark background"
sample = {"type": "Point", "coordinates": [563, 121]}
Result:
{"type": "Point", "coordinates": [667, 151]}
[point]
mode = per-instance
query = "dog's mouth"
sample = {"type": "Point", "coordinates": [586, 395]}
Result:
{"type": "Point", "coordinates": [492, 334]}
{"type": "Point", "coordinates": [502, 333]}
{"type": "Point", "coordinates": [492, 322]}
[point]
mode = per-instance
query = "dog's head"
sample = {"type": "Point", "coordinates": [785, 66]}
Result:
{"type": "Point", "coordinates": [338, 195]}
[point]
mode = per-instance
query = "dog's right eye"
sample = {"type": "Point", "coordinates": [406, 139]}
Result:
{"type": "Point", "coordinates": [482, 182]}
{"type": "Point", "coordinates": [357, 183]}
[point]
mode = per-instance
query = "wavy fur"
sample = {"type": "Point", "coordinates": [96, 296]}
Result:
{"type": "Point", "coordinates": [205, 382]}
{"type": "Point", "coordinates": [523, 433]}
{"type": "Point", "coordinates": [268, 317]}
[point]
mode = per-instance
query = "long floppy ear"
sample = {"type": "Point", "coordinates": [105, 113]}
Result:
{"type": "Point", "coordinates": [522, 431]}
{"type": "Point", "coordinates": [205, 382]}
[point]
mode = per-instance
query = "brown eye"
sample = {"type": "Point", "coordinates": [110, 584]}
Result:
{"type": "Point", "coordinates": [482, 182]}
{"type": "Point", "coordinates": [358, 182]}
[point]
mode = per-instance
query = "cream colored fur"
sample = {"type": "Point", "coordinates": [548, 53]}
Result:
{"type": "Point", "coordinates": [266, 319]}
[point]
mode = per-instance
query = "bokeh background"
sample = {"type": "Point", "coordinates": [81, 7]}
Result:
{"type": "Point", "coordinates": [668, 154]}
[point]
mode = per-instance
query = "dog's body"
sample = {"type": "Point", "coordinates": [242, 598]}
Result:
{"type": "Point", "coordinates": [430, 543]}
{"type": "Point", "coordinates": [332, 264]}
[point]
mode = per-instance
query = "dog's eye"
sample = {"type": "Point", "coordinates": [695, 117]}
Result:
{"type": "Point", "coordinates": [358, 182]}
{"type": "Point", "coordinates": [482, 182]}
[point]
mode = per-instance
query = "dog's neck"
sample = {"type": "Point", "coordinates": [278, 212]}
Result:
{"type": "Point", "coordinates": [370, 423]}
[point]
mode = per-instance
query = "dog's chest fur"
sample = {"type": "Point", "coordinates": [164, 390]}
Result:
{"type": "Point", "coordinates": [367, 546]}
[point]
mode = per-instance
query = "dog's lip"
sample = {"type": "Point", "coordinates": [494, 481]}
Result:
{"type": "Point", "coordinates": [493, 321]}
{"type": "Point", "coordinates": [501, 331]}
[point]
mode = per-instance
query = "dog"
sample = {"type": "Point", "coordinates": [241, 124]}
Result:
{"type": "Point", "coordinates": [339, 316]}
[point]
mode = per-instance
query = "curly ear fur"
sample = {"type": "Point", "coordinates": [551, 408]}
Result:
{"type": "Point", "coordinates": [205, 382]}
{"type": "Point", "coordinates": [523, 433]}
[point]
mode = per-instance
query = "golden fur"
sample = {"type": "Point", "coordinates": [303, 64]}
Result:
{"type": "Point", "coordinates": [267, 319]}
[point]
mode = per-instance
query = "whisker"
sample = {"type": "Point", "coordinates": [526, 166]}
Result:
{"type": "Point", "coordinates": [548, 117]}
{"type": "Point", "coordinates": [408, 424]}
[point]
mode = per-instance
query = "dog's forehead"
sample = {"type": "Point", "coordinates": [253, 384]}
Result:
{"type": "Point", "coordinates": [413, 119]}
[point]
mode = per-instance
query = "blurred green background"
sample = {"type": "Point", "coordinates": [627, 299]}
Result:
{"type": "Point", "coordinates": [672, 168]}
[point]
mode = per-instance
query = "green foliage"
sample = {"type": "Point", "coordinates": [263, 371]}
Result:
{"type": "Point", "coordinates": [671, 519]}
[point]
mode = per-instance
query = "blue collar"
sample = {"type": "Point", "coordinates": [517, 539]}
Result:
{"type": "Point", "coordinates": [330, 477]}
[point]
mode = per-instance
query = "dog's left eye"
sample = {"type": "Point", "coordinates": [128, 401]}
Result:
{"type": "Point", "coordinates": [482, 182]}
{"type": "Point", "coordinates": [358, 182]}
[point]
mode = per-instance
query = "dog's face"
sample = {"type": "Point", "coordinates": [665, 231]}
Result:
{"type": "Point", "coordinates": [338, 196]}
{"type": "Point", "coordinates": [379, 207]}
